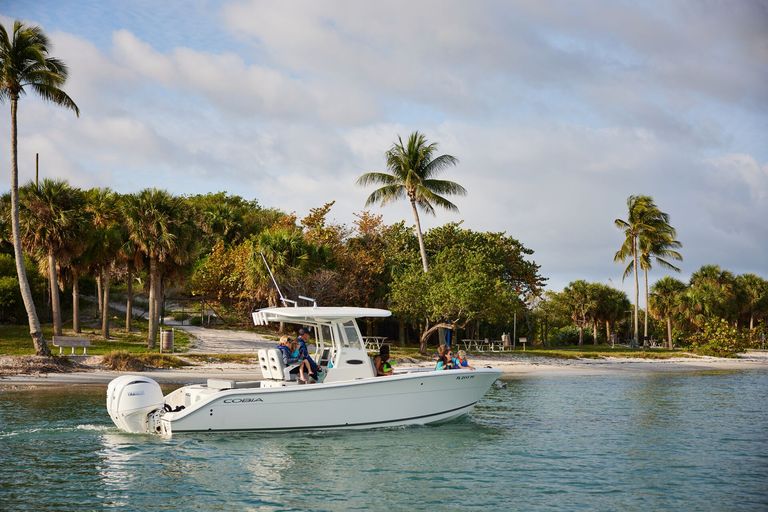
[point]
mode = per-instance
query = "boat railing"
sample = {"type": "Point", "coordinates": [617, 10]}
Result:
{"type": "Point", "coordinates": [374, 342]}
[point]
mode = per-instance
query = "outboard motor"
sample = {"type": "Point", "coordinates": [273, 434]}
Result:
{"type": "Point", "coordinates": [130, 401]}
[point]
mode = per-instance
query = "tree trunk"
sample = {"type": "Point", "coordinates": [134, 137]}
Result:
{"type": "Point", "coordinates": [129, 302]}
{"type": "Point", "coordinates": [751, 326]}
{"type": "Point", "coordinates": [607, 331]}
{"type": "Point", "coordinates": [161, 302]}
{"type": "Point", "coordinates": [55, 302]}
{"type": "Point", "coordinates": [152, 334]}
{"type": "Point", "coordinates": [594, 332]}
{"type": "Point", "coordinates": [669, 333]}
{"type": "Point", "coordinates": [75, 304]}
{"type": "Point", "coordinates": [99, 292]}
{"type": "Point", "coordinates": [105, 303]}
{"type": "Point", "coordinates": [645, 317]}
{"type": "Point", "coordinates": [581, 335]}
{"type": "Point", "coordinates": [427, 333]}
{"type": "Point", "coordinates": [635, 335]}
{"type": "Point", "coordinates": [422, 248]}
{"type": "Point", "coordinates": [401, 331]}
{"type": "Point", "coordinates": [41, 347]}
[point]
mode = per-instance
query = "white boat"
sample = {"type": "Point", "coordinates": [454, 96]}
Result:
{"type": "Point", "coordinates": [348, 395]}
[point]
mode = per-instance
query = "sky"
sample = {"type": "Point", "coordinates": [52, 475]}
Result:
{"type": "Point", "coordinates": [557, 111]}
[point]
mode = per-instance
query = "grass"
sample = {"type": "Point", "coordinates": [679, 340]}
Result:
{"type": "Point", "coordinates": [15, 339]}
{"type": "Point", "coordinates": [569, 352]}
{"type": "Point", "coordinates": [599, 352]}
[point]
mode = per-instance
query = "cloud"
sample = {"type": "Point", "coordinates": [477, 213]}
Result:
{"type": "Point", "coordinates": [557, 112]}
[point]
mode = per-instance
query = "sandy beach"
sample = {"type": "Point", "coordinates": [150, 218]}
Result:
{"type": "Point", "coordinates": [512, 365]}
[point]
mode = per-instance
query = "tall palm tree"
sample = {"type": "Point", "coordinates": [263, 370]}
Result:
{"type": "Point", "coordinates": [413, 167]}
{"type": "Point", "coordinates": [109, 236]}
{"type": "Point", "coordinates": [642, 215]}
{"type": "Point", "coordinates": [51, 221]}
{"type": "Point", "coordinates": [665, 301]}
{"type": "Point", "coordinates": [25, 63]}
{"type": "Point", "coordinates": [153, 218]}
{"type": "Point", "coordinates": [657, 244]}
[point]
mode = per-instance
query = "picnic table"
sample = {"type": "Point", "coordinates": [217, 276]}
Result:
{"type": "Point", "coordinates": [484, 345]}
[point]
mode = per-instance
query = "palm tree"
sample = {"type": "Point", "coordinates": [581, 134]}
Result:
{"type": "Point", "coordinates": [24, 62]}
{"type": "Point", "coordinates": [752, 293]}
{"type": "Point", "coordinates": [109, 236]}
{"type": "Point", "coordinates": [52, 221]}
{"type": "Point", "coordinates": [711, 295]}
{"type": "Point", "coordinates": [153, 218]}
{"type": "Point", "coordinates": [665, 301]}
{"type": "Point", "coordinates": [644, 220]}
{"type": "Point", "coordinates": [412, 169]}
{"type": "Point", "coordinates": [658, 244]}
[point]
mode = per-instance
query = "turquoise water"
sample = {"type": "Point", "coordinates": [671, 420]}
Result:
{"type": "Point", "coordinates": [643, 442]}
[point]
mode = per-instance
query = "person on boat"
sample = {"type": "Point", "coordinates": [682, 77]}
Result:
{"type": "Point", "coordinates": [381, 362]}
{"type": "Point", "coordinates": [304, 353]}
{"type": "Point", "coordinates": [445, 361]}
{"type": "Point", "coordinates": [461, 361]}
{"type": "Point", "coordinates": [285, 351]}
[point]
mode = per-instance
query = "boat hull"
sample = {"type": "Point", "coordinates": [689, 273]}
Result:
{"type": "Point", "coordinates": [417, 398]}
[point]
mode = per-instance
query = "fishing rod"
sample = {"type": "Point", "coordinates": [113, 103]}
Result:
{"type": "Point", "coordinates": [282, 299]}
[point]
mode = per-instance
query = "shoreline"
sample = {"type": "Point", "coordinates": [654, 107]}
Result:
{"type": "Point", "coordinates": [511, 367]}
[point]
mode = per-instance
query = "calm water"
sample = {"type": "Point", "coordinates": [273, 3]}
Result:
{"type": "Point", "coordinates": [644, 442]}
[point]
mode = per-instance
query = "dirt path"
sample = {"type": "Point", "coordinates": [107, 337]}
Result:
{"type": "Point", "coordinates": [219, 341]}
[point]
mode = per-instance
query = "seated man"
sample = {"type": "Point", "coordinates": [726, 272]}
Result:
{"type": "Point", "coordinates": [304, 354]}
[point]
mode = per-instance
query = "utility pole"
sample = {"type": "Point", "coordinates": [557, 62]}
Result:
{"type": "Point", "coordinates": [37, 171]}
{"type": "Point", "coordinates": [514, 330]}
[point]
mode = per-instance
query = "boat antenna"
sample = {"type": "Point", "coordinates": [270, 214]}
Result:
{"type": "Point", "coordinates": [282, 299]}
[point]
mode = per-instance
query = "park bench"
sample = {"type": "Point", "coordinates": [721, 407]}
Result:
{"type": "Point", "coordinates": [71, 341]}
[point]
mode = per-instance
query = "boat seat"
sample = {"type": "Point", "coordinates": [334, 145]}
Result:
{"type": "Point", "coordinates": [277, 370]}
{"type": "Point", "coordinates": [264, 363]}
{"type": "Point", "coordinates": [220, 384]}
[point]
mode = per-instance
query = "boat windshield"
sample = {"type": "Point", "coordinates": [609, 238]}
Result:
{"type": "Point", "coordinates": [351, 338]}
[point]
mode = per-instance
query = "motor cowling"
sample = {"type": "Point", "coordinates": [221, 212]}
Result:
{"type": "Point", "coordinates": [130, 401]}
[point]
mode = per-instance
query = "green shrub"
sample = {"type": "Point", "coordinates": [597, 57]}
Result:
{"type": "Point", "coordinates": [568, 335]}
{"type": "Point", "coordinates": [718, 338]}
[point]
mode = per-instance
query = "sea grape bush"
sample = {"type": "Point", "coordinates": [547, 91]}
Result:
{"type": "Point", "coordinates": [718, 338]}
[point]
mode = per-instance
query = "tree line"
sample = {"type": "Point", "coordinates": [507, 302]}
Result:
{"type": "Point", "coordinates": [681, 314]}
{"type": "Point", "coordinates": [214, 246]}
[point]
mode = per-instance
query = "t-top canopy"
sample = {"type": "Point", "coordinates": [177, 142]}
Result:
{"type": "Point", "coordinates": [315, 314]}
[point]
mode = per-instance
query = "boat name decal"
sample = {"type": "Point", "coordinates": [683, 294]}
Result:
{"type": "Point", "coordinates": [242, 400]}
{"type": "Point", "coordinates": [462, 377]}
{"type": "Point", "coordinates": [135, 393]}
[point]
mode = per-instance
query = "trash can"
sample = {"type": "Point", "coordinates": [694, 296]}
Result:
{"type": "Point", "coordinates": [166, 341]}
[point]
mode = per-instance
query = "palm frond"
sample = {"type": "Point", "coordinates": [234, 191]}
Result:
{"type": "Point", "coordinates": [385, 195]}
{"type": "Point", "coordinates": [445, 187]}
{"type": "Point", "coordinates": [376, 178]}
{"type": "Point", "coordinates": [57, 96]}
